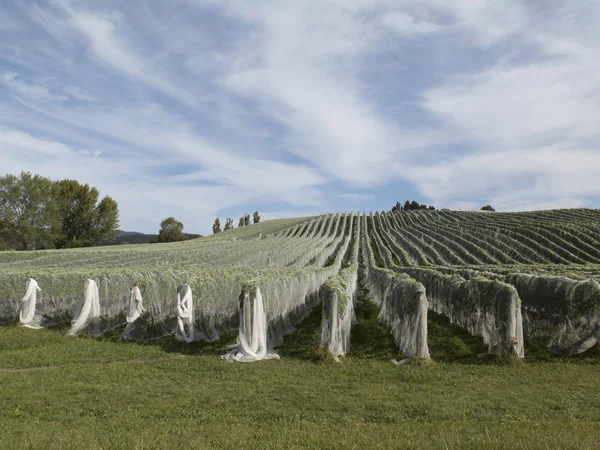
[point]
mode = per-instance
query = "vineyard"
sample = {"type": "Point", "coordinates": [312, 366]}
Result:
{"type": "Point", "coordinates": [506, 277]}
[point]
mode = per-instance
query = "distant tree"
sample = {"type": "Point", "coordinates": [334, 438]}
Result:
{"type": "Point", "coordinates": [83, 222]}
{"type": "Point", "coordinates": [241, 222]}
{"type": "Point", "coordinates": [228, 224]}
{"type": "Point", "coordinates": [28, 212]}
{"type": "Point", "coordinates": [171, 231]}
{"type": "Point", "coordinates": [246, 219]}
{"type": "Point", "coordinates": [255, 217]}
{"type": "Point", "coordinates": [414, 206]}
{"type": "Point", "coordinates": [217, 226]}
{"type": "Point", "coordinates": [487, 208]}
{"type": "Point", "coordinates": [397, 207]}
{"type": "Point", "coordinates": [107, 219]}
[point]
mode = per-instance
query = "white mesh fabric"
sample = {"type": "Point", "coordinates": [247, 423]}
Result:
{"type": "Point", "coordinates": [135, 307]}
{"type": "Point", "coordinates": [185, 314]}
{"type": "Point", "coordinates": [252, 340]}
{"type": "Point", "coordinates": [88, 311]}
{"type": "Point", "coordinates": [27, 316]}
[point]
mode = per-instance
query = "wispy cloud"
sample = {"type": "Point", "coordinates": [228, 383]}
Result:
{"type": "Point", "coordinates": [11, 81]}
{"type": "Point", "coordinates": [354, 196]}
{"type": "Point", "coordinates": [78, 93]}
{"type": "Point", "coordinates": [302, 106]}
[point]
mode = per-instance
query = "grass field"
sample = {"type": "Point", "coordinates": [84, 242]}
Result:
{"type": "Point", "coordinates": [477, 270]}
{"type": "Point", "coordinates": [63, 392]}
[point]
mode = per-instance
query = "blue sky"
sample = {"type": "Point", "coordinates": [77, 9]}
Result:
{"type": "Point", "coordinates": [198, 109]}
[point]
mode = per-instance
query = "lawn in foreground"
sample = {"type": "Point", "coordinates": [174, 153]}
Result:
{"type": "Point", "coordinates": [63, 392]}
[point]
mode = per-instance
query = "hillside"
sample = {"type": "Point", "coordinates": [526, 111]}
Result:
{"type": "Point", "coordinates": [507, 277]}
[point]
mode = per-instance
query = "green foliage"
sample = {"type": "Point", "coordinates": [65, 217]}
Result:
{"type": "Point", "coordinates": [216, 226]}
{"type": "Point", "coordinates": [171, 231]}
{"type": "Point", "coordinates": [246, 219]}
{"type": "Point", "coordinates": [83, 222]}
{"type": "Point", "coordinates": [241, 222]}
{"type": "Point", "coordinates": [228, 224]}
{"type": "Point", "coordinates": [408, 206]}
{"type": "Point", "coordinates": [256, 217]}
{"type": "Point", "coordinates": [37, 213]}
{"type": "Point", "coordinates": [487, 208]}
{"type": "Point", "coordinates": [28, 212]}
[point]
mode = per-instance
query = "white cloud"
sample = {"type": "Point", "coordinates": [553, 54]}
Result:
{"type": "Point", "coordinates": [79, 94]}
{"type": "Point", "coordinates": [354, 196]}
{"type": "Point", "coordinates": [224, 103]}
{"type": "Point", "coordinates": [407, 25]}
{"type": "Point", "coordinates": [516, 179]}
{"type": "Point", "coordinates": [521, 105]}
{"type": "Point", "coordinates": [33, 91]}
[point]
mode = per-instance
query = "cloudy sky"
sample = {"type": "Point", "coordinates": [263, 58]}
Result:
{"type": "Point", "coordinates": [202, 108]}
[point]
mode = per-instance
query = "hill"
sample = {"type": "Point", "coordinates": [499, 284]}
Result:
{"type": "Point", "coordinates": [134, 237]}
{"type": "Point", "coordinates": [507, 277]}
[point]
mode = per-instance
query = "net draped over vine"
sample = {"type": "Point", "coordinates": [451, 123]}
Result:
{"type": "Point", "coordinates": [507, 277]}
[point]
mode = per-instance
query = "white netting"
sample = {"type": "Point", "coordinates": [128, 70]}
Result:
{"type": "Point", "coordinates": [402, 303]}
{"type": "Point", "coordinates": [27, 316]}
{"type": "Point", "coordinates": [185, 314]}
{"type": "Point", "coordinates": [561, 313]}
{"type": "Point", "coordinates": [252, 340]}
{"type": "Point", "coordinates": [135, 308]}
{"type": "Point", "coordinates": [338, 296]}
{"type": "Point", "coordinates": [87, 316]}
{"type": "Point", "coordinates": [487, 308]}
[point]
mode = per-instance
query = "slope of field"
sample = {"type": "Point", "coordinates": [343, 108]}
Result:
{"type": "Point", "coordinates": [473, 292]}
{"type": "Point", "coordinates": [507, 277]}
{"type": "Point", "coordinates": [59, 392]}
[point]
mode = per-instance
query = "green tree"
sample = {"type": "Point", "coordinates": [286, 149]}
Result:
{"type": "Point", "coordinates": [256, 217]}
{"type": "Point", "coordinates": [241, 222]}
{"type": "Point", "coordinates": [414, 205]}
{"type": "Point", "coordinates": [28, 214]}
{"type": "Point", "coordinates": [217, 226]}
{"type": "Point", "coordinates": [246, 219]}
{"type": "Point", "coordinates": [487, 208]}
{"type": "Point", "coordinates": [228, 224]}
{"type": "Point", "coordinates": [171, 231]}
{"type": "Point", "coordinates": [398, 207]}
{"type": "Point", "coordinates": [83, 221]}
{"type": "Point", "coordinates": [107, 219]}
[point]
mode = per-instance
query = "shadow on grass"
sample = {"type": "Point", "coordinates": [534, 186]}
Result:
{"type": "Point", "coordinates": [169, 344]}
{"type": "Point", "coordinates": [304, 342]}
{"type": "Point", "coordinates": [451, 343]}
{"type": "Point", "coordinates": [368, 337]}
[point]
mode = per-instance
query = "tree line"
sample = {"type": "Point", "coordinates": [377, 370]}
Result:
{"type": "Point", "coordinates": [411, 206]}
{"type": "Point", "coordinates": [38, 213]}
{"type": "Point", "coordinates": [243, 222]}
{"type": "Point", "coordinates": [171, 230]}
{"type": "Point", "coordinates": [415, 205]}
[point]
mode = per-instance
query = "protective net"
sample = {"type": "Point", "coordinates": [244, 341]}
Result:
{"type": "Point", "coordinates": [87, 316]}
{"type": "Point", "coordinates": [562, 313]}
{"type": "Point", "coordinates": [27, 316]}
{"type": "Point", "coordinates": [252, 338]}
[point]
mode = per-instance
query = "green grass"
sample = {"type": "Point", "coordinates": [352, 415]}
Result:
{"type": "Point", "coordinates": [62, 392]}
{"type": "Point", "coordinates": [369, 338]}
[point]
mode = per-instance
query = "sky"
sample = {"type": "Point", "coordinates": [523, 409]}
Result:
{"type": "Point", "coordinates": [212, 108]}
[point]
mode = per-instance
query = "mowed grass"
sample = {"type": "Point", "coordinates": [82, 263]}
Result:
{"type": "Point", "coordinates": [62, 392]}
